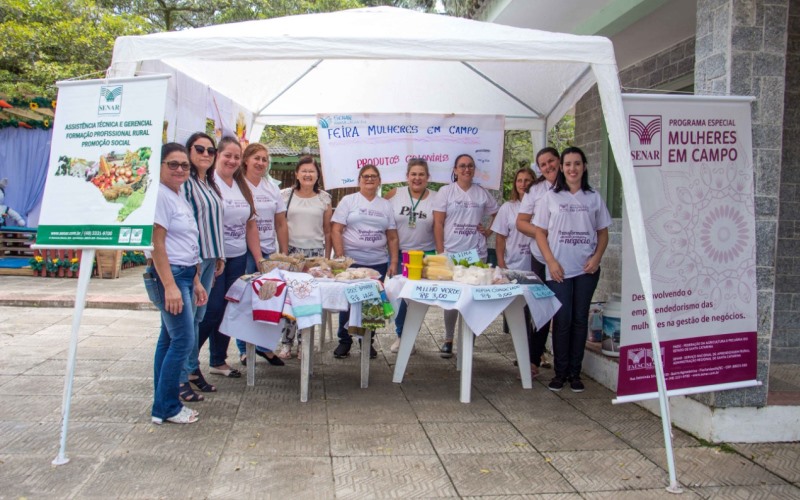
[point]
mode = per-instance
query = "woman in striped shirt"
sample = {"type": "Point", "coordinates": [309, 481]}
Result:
{"type": "Point", "coordinates": [204, 197]}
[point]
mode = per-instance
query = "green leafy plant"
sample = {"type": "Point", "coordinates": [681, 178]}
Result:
{"type": "Point", "coordinates": [36, 263]}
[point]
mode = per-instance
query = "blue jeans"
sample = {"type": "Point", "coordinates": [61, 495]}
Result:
{"type": "Point", "coordinates": [209, 327]}
{"type": "Point", "coordinates": [206, 279]}
{"type": "Point", "coordinates": [344, 316]}
{"type": "Point", "coordinates": [571, 322]}
{"type": "Point", "coordinates": [250, 268]}
{"type": "Point", "coordinates": [175, 341]}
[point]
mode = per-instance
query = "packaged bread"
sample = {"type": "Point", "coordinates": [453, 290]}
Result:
{"type": "Point", "coordinates": [436, 260]}
{"type": "Point", "coordinates": [442, 273]}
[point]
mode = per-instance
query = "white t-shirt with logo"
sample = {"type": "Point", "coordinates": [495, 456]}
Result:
{"type": "Point", "coordinates": [235, 214]}
{"type": "Point", "coordinates": [268, 202]}
{"type": "Point", "coordinates": [518, 246]}
{"type": "Point", "coordinates": [174, 214]}
{"type": "Point", "coordinates": [366, 223]}
{"type": "Point", "coordinates": [528, 206]}
{"type": "Point", "coordinates": [464, 211]}
{"type": "Point", "coordinates": [420, 237]}
{"type": "Point", "coordinates": [572, 222]}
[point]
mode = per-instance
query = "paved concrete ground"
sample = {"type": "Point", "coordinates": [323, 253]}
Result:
{"type": "Point", "coordinates": [399, 441]}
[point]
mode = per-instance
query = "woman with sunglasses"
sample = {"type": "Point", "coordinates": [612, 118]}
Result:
{"type": "Point", "coordinates": [271, 222]}
{"type": "Point", "coordinates": [173, 285]}
{"type": "Point", "coordinates": [572, 233]}
{"type": "Point", "coordinates": [308, 213]}
{"type": "Point", "coordinates": [203, 195]}
{"type": "Point", "coordinates": [457, 214]}
{"type": "Point", "coordinates": [364, 230]}
{"type": "Point", "coordinates": [240, 237]}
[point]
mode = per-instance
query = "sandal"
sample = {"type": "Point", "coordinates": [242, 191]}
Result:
{"type": "Point", "coordinates": [187, 394]}
{"type": "Point", "coordinates": [227, 372]}
{"type": "Point", "coordinates": [273, 360]}
{"type": "Point", "coordinates": [200, 383]}
{"type": "Point", "coordinates": [286, 351]}
{"type": "Point", "coordinates": [243, 359]}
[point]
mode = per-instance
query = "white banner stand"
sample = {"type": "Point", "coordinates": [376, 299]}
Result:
{"type": "Point", "coordinates": [87, 262]}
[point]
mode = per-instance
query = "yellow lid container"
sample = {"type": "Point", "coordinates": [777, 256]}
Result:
{"type": "Point", "coordinates": [414, 272]}
{"type": "Point", "coordinates": [415, 257]}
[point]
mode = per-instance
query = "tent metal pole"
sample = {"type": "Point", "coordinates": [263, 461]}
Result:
{"type": "Point", "coordinates": [87, 262]}
{"type": "Point", "coordinates": [286, 89]}
{"type": "Point", "coordinates": [502, 89]}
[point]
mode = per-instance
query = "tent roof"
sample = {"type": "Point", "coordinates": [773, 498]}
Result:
{"type": "Point", "coordinates": [378, 60]}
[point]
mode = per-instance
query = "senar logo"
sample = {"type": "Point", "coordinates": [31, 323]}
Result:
{"type": "Point", "coordinates": [110, 102]}
{"type": "Point", "coordinates": [645, 139]}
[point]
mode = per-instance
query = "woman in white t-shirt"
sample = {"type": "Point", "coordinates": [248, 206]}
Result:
{"type": "Point", "coordinates": [549, 164]}
{"type": "Point", "coordinates": [240, 237]}
{"type": "Point", "coordinates": [457, 215]}
{"type": "Point", "coordinates": [271, 223]}
{"type": "Point", "coordinates": [513, 247]}
{"type": "Point", "coordinates": [172, 281]}
{"type": "Point", "coordinates": [364, 230]}
{"type": "Point", "coordinates": [309, 212]}
{"type": "Point", "coordinates": [412, 206]}
{"type": "Point", "coordinates": [572, 234]}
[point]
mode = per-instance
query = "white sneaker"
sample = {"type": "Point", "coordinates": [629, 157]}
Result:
{"type": "Point", "coordinates": [185, 416]}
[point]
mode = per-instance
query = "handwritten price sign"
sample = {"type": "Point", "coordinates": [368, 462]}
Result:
{"type": "Point", "coordinates": [495, 292]}
{"type": "Point", "coordinates": [470, 256]}
{"type": "Point", "coordinates": [435, 292]}
{"type": "Point", "coordinates": [361, 292]}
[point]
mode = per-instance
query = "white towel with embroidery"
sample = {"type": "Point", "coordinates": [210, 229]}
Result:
{"type": "Point", "coordinates": [304, 299]}
{"type": "Point", "coordinates": [236, 291]}
{"type": "Point", "coordinates": [269, 310]}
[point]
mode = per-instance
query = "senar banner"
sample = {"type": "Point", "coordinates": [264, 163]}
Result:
{"type": "Point", "coordinates": [388, 141]}
{"type": "Point", "coordinates": [692, 157]}
{"type": "Point", "coordinates": [104, 165]}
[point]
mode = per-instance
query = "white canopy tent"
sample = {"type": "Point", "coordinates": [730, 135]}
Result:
{"type": "Point", "coordinates": [386, 60]}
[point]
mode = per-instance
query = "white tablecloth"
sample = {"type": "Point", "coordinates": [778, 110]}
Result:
{"type": "Point", "coordinates": [476, 315]}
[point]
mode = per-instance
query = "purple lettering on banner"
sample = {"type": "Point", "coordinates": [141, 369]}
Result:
{"type": "Point", "coordinates": [690, 362]}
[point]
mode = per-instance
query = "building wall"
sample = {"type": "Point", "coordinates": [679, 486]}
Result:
{"type": "Point", "coordinates": [785, 346]}
{"type": "Point", "coordinates": [657, 71]}
{"type": "Point", "coordinates": [740, 48]}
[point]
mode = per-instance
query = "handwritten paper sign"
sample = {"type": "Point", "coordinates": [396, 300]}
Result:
{"type": "Point", "coordinates": [348, 141]}
{"type": "Point", "coordinates": [361, 292]}
{"type": "Point", "coordinates": [435, 292]}
{"type": "Point", "coordinates": [470, 256]}
{"type": "Point", "coordinates": [495, 292]}
{"type": "Point", "coordinates": [540, 291]}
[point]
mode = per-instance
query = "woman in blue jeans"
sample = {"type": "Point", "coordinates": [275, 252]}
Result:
{"type": "Point", "coordinates": [205, 199]}
{"type": "Point", "coordinates": [173, 284]}
{"type": "Point", "coordinates": [572, 234]}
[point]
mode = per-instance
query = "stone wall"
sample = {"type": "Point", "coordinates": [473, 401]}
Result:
{"type": "Point", "coordinates": [657, 71]}
{"type": "Point", "coordinates": [741, 50]}
{"type": "Point", "coordinates": [786, 327]}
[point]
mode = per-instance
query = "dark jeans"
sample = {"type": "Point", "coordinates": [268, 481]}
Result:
{"type": "Point", "coordinates": [537, 339]}
{"type": "Point", "coordinates": [571, 322]}
{"type": "Point", "coordinates": [209, 327]}
{"type": "Point", "coordinates": [344, 316]}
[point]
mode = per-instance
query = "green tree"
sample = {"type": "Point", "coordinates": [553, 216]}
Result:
{"type": "Point", "coordinates": [295, 138]}
{"type": "Point", "coordinates": [42, 41]}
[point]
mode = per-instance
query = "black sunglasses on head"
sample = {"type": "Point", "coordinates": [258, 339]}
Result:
{"type": "Point", "coordinates": [202, 149]}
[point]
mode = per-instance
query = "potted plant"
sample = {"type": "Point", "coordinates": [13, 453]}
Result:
{"type": "Point", "coordinates": [37, 263]}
